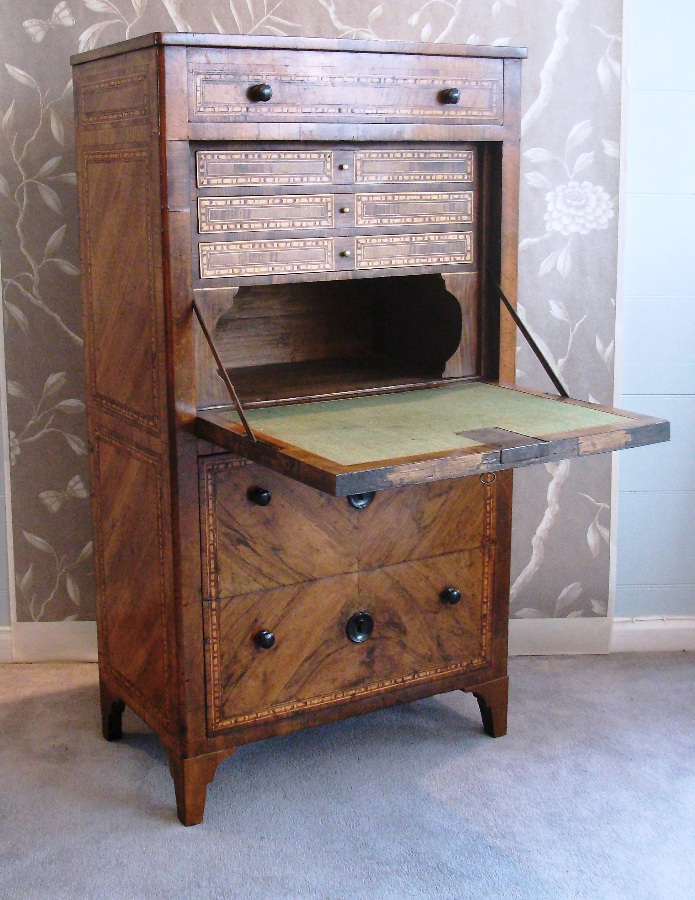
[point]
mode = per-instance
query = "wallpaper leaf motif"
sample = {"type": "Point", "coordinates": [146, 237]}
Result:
{"type": "Point", "coordinates": [257, 16]}
{"type": "Point", "coordinates": [569, 183]}
{"type": "Point", "coordinates": [547, 77]}
{"type": "Point", "coordinates": [572, 208]}
{"type": "Point", "coordinates": [357, 32]}
{"type": "Point", "coordinates": [609, 67]}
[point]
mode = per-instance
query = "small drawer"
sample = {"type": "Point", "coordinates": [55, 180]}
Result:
{"type": "Point", "coordinates": [390, 251]}
{"type": "Point", "coordinates": [272, 257]}
{"type": "Point", "coordinates": [424, 208]}
{"type": "Point", "coordinates": [303, 534]}
{"type": "Point", "coordinates": [318, 86]}
{"type": "Point", "coordinates": [265, 213]}
{"type": "Point", "coordinates": [398, 166]}
{"type": "Point", "coordinates": [316, 657]}
{"type": "Point", "coordinates": [259, 168]}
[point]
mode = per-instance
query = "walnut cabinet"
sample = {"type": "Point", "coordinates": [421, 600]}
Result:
{"type": "Point", "coordinates": [319, 228]}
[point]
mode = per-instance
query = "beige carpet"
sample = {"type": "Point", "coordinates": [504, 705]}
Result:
{"type": "Point", "coordinates": [591, 795]}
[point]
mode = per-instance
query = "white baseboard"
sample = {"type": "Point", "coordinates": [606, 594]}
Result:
{"type": "Point", "coordinates": [550, 637]}
{"type": "Point", "coordinates": [5, 645]}
{"type": "Point", "coordinates": [653, 633]}
{"type": "Point", "coordinates": [77, 641]}
{"type": "Point", "coordinates": [54, 641]}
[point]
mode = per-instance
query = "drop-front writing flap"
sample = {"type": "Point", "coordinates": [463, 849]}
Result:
{"type": "Point", "coordinates": [375, 442]}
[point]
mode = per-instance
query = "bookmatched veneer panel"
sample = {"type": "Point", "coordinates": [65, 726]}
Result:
{"type": "Point", "coordinates": [417, 637]}
{"type": "Point", "coordinates": [303, 534]}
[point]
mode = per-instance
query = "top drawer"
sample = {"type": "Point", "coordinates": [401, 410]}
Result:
{"type": "Point", "coordinates": [319, 86]}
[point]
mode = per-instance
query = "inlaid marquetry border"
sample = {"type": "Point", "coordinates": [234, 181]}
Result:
{"type": "Point", "coordinates": [255, 208]}
{"type": "Point", "coordinates": [156, 462]}
{"type": "Point", "coordinates": [118, 114]}
{"type": "Point", "coordinates": [491, 110]}
{"type": "Point", "coordinates": [150, 422]}
{"type": "Point", "coordinates": [209, 473]}
{"type": "Point", "coordinates": [422, 258]}
{"type": "Point", "coordinates": [411, 157]}
{"type": "Point", "coordinates": [218, 722]}
{"type": "Point", "coordinates": [265, 266]}
{"type": "Point", "coordinates": [464, 215]}
{"type": "Point", "coordinates": [205, 158]}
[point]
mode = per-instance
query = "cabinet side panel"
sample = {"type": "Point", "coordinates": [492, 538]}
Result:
{"type": "Point", "coordinates": [119, 274]}
{"type": "Point", "coordinates": [118, 174]}
{"type": "Point", "coordinates": [127, 484]}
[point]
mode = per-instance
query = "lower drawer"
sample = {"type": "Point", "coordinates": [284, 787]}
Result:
{"type": "Point", "coordinates": [417, 636]}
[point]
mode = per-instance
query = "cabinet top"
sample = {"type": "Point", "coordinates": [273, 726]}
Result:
{"type": "Point", "coordinates": [158, 39]}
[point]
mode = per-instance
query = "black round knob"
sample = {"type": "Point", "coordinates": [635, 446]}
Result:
{"type": "Point", "coordinates": [265, 639]}
{"type": "Point", "coordinates": [450, 595]}
{"type": "Point", "coordinates": [260, 92]}
{"type": "Point", "coordinates": [361, 501]}
{"type": "Point", "coordinates": [260, 496]}
{"type": "Point", "coordinates": [450, 95]}
{"type": "Point", "coordinates": [359, 627]}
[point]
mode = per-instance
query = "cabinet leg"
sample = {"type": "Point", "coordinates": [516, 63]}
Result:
{"type": "Point", "coordinates": [111, 713]}
{"type": "Point", "coordinates": [492, 699]}
{"type": "Point", "coordinates": [191, 779]}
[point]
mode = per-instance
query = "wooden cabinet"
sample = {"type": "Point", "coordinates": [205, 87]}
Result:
{"type": "Point", "coordinates": [300, 392]}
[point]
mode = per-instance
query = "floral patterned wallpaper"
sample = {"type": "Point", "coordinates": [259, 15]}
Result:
{"type": "Point", "coordinates": [568, 248]}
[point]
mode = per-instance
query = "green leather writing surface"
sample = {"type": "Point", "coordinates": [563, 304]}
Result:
{"type": "Point", "coordinates": [391, 426]}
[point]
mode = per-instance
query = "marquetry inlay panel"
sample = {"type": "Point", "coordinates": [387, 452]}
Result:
{"type": "Point", "coordinates": [263, 167]}
{"type": "Point", "coordinates": [262, 213]}
{"type": "Point", "coordinates": [432, 208]}
{"type": "Point", "coordinates": [392, 251]}
{"type": "Point", "coordinates": [119, 100]}
{"type": "Point", "coordinates": [266, 257]}
{"type": "Point", "coordinates": [393, 166]}
{"type": "Point", "coordinates": [313, 97]}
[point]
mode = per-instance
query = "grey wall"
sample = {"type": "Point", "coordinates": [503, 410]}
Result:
{"type": "Point", "coordinates": [4, 576]}
{"type": "Point", "coordinates": [569, 241]}
{"type": "Point", "coordinates": [656, 518]}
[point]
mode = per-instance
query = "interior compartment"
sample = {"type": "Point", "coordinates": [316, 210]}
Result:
{"type": "Point", "coordinates": [280, 342]}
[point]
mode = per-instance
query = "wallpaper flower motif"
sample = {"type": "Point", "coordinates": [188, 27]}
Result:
{"type": "Point", "coordinates": [567, 259]}
{"type": "Point", "coordinates": [575, 208]}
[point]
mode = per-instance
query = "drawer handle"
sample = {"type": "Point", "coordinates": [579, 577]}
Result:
{"type": "Point", "coordinates": [450, 95]}
{"type": "Point", "coordinates": [260, 92]}
{"type": "Point", "coordinates": [265, 639]}
{"type": "Point", "coordinates": [346, 253]}
{"type": "Point", "coordinates": [343, 167]}
{"type": "Point", "coordinates": [361, 501]}
{"type": "Point", "coordinates": [450, 595]}
{"type": "Point", "coordinates": [359, 627]}
{"type": "Point", "coordinates": [345, 209]}
{"type": "Point", "coordinates": [259, 495]}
